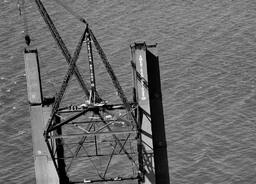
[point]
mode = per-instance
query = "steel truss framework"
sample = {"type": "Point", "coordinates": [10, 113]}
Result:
{"type": "Point", "coordinates": [95, 135]}
{"type": "Point", "coordinates": [91, 135]}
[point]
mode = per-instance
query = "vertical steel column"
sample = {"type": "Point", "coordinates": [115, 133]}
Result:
{"type": "Point", "coordinates": [157, 119]}
{"type": "Point", "coordinates": [91, 67]}
{"type": "Point", "coordinates": [150, 115]}
{"type": "Point", "coordinates": [145, 144]}
{"type": "Point", "coordinates": [39, 115]}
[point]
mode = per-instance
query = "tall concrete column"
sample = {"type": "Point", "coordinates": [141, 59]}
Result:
{"type": "Point", "coordinates": [39, 114]}
{"type": "Point", "coordinates": [147, 86]}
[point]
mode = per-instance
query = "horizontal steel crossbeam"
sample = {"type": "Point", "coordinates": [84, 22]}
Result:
{"type": "Point", "coordinates": [91, 134]}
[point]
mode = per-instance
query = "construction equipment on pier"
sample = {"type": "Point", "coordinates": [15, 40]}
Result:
{"type": "Point", "coordinates": [97, 141]}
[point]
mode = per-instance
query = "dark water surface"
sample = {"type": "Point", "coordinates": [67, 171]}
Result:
{"type": "Point", "coordinates": [207, 61]}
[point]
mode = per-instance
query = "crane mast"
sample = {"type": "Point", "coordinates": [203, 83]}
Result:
{"type": "Point", "coordinates": [93, 134]}
{"type": "Point", "coordinates": [91, 68]}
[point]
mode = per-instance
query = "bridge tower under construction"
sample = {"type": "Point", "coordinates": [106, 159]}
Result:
{"type": "Point", "coordinates": [98, 141]}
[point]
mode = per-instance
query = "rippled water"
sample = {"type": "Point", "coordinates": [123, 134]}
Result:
{"type": "Point", "coordinates": [207, 61]}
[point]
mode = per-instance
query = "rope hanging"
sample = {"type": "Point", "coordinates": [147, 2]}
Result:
{"type": "Point", "coordinates": [22, 12]}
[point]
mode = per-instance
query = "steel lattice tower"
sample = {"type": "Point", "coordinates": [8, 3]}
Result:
{"type": "Point", "coordinates": [89, 142]}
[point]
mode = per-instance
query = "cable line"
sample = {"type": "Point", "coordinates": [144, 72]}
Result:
{"type": "Point", "coordinates": [67, 8]}
{"type": "Point", "coordinates": [22, 12]}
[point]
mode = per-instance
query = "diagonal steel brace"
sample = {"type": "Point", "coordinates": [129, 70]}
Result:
{"type": "Point", "coordinates": [60, 43]}
{"type": "Point", "coordinates": [65, 81]}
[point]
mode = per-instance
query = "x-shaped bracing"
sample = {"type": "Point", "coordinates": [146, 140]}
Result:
{"type": "Point", "coordinates": [88, 132]}
{"type": "Point", "coordinates": [51, 126]}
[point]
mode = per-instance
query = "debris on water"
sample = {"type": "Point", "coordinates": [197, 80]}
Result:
{"type": "Point", "coordinates": [2, 78]}
{"type": "Point", "coordinates": [108, 117]}
{"type": "Point", "coordinates": [21, 132]}
{"type": "Point", "coordinates": [14, 108]}
{"type": "Point", "coordinates": [15, 82]}
{"type": "Point", "coordinates": [24, 74]}
{"type": "Point", "coordinates": [8, 90]}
